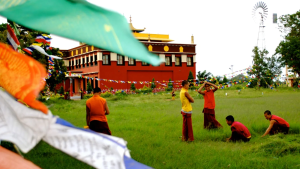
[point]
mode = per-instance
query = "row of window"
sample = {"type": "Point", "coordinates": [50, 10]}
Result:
{"type": "Point", "coordinates": [131, 62]}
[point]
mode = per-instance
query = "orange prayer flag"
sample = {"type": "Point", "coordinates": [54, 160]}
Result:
{"type": "Point", "coordinates": [11, 160]}
{"type": "Point", "coordinates": [22, 77]}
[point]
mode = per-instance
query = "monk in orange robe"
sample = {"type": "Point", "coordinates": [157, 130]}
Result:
{"type": "Point", "coordinates": [210, 121]}
{"type": "Point", "coordinates": [96, 111]}
{"type": "Point", "coordinates": [277, 124]}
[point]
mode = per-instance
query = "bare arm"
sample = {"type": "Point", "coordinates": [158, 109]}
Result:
{"type": "Point", "coordinates": [187, 95]}
{"type": "Point", "coordinates": [87, 116]}
{"type": "Point", "coordinates": [215, 86]}
{"type": "Point", "coordinates": [106, 109]}
{"type": "Point", "coordinates": [269, 128]}
{"type": "Point", "coordinates": [200, 89]}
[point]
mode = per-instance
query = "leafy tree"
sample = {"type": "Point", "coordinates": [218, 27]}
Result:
{"type": "Point", "coordinates": [203, 75]}
{"type": "Point", "coordinates": [89, 87]}
{"type": "Point", "coordinates": [191, 78]}
{"type": "Point", "coordinates": [153, 84]}
{"type": "Point", "coordinates": [225, 80]}
{"type": "Point", "coordinates": [289, 53]}
{"type": "Point", "coordinates": [288, 49]}
{"type": "Point", "coordinates": [170, 86]}
{"type": "Point", "coordinates": [26, 38]}
{"type": "Point", "coordinates": [132, 87]}
{"type": "Point", "coordinates": [61, 90]}
{"type": "Point", "coordinates": [264, 68]}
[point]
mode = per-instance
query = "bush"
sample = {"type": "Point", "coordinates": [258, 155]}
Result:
{"type": "Point", "coordinates": [146, 89]}
{"type": "Point", "coordinates": [168, 89]}
{"type": "Point", "coordinates": [61, 90]}
{"type": "Point", "coordinates": [106, 94]}
{"type": "Point", "coordinates": [121, 93]}
{"type": "Point", "coordinates": [87, 96]}
{"type": "Point", "coordinates": [89, 87]}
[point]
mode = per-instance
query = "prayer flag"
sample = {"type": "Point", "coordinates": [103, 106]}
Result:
{"type": "Point", "coordinates": [82, 21]}
{"type": "Point", "coordinates": [12, 38]}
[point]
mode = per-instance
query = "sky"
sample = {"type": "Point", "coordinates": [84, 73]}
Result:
{"type": "Point", "coordinates": [224, 31]}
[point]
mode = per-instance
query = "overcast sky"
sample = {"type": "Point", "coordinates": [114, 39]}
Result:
{"type": "Point", "coordinates": [224, 31]}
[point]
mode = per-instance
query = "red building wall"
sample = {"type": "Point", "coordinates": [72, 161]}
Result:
{"type": "Point", "coordinates": [141, 73]}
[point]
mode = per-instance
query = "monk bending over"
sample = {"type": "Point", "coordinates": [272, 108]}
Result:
{"type": "Point", "coordinates": [186, 111]}
{"type": "Point", "coordinates": [239, 131]}
{"type": "Point", "coordinates": [210, 121]}
{"type": "Point", "coordinates": [277, 124]}
{"type": "Point", "coordinates": [96, 111]}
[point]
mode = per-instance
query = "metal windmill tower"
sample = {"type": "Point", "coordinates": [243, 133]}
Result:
{"type": "Point", "coordinates": [260, 13]}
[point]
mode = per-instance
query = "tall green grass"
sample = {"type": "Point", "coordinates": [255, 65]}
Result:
{"type": "Point", "coordinates": [152, 124]}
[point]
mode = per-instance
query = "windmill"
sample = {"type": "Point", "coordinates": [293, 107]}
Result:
{"type": "Point", "coordinates": [260, 13]}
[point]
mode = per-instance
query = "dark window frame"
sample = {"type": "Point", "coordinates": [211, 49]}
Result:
{"type": "Point", "coordinates": [96, 62]}
{"type": "Point", "coordinates": [91, 60]}
{"type": "Point", "coordinates": [180, 63]}
{"type": "Point", "coordinates": [123, 60]}
{"type": "Point", "coordinates": [192, 62]}
{"type": "Point", "coordinates": [109, 59]}
{"type": "Point", "coordinates": [170, 60]}
{"type": "Point", "coordinates": [87, 62]}
{"type": "Point", "coordinates": [83, 62]}
{"type": "Point", "coordinates": [147, 64]}
{"type": "Point", "coordinates": [134, 62]}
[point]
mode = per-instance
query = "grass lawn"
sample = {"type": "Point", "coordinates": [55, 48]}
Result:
{"type": "Point", "coordinates": [152, 124]}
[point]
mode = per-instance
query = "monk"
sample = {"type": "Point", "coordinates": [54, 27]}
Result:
{"type": "Point", "coordinates": [186, 111]}
{"type": "Point", "coordinates": [96, 111]}
{"type": "Point", "coordinates": [239, 131]}
{"type": "Point", "coordinates": [277, 124]}
{"type": "Point", "coordinates": [210, 121]}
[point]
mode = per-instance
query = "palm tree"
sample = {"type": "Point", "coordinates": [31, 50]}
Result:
{"type": "Point", "coordinates": [203, 75]}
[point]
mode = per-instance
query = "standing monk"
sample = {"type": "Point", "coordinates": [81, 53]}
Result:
{"type": "Point", "coordinates": [239, 131]}
{"type": "Point", "coordinates": [277, 124]}
{"type": "Point", "coordinates": [210, 121]}
{"type": "Point", "coordinates": [96, 111]}
{"type": "Point", "coordinates": [186, 111]}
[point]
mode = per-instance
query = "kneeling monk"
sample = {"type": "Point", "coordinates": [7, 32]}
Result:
{"type": "Point", "coordinates": [277, 124]}
{"type": "Point", "coordinates": [239, 131]}
{"type": "Point", "coordinates": [96, 111]}
{"type": "Point", "coordinates": [186, 111]}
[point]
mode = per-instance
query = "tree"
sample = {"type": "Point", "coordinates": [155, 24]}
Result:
{"type": "Point", "coordinates": [153, 84]}
{"type": "Point", "coordinates": [132, 87]}
{"type": "Point", "coordinates": [26, 38]}
{"type": "Point", "coordinates": [89, 87]}
{"type": "Point", "coordinates": [170, 86]}
{"type": "Point", "coordinates": [203, 75]}
{"type": "Point", "coordinates": [264, 68]}
{"type": "Point", "coordinates": [288, 49]}
{"type": "Point", "coordinates": [225, 80]}
{"type": "Point", "coordinates": [191, 78]}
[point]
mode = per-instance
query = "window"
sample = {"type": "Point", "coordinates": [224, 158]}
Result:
{"type": "Point", "coordinates": [177, 61]}
{"type": "Point", "coordinates": [145, 64]}
{"type": "Point", "coordinates": [69, 65]}
{"type": "Point", "coordinates": [76, 63]}
{"type": "Point", "coordinates": [168, 61]}
{"type": "Point", "coordinates": [189, 61]}
{"type": "Point", "coordinates": [131, 62]}
{"type": "Point", "coordinates": [83, 62]}
{"type": "Point", "coordinates": [72, 64]}
{"type": "Point", "coordinates": [120, 59]}
{"type": "Point", "coordinates": [96, 82]}
{"type": "Point", "coordinates": [87, 61]}
{"type": "Point", "coordinates": [106, 60]}
{"type": "Point", "coordinates": [96, 62]}
{"type": "Point", "coordinates": [91, 57]}
{"type": "Point", "coordinates": [79, 61]}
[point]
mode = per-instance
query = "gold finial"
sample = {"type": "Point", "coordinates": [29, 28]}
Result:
{"type": "Point", "coordinates": [148, 37]}
{"type": "Point", "coordinates": [130, 18]}
{"type": "Point", "coordinates": [192, 40]}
